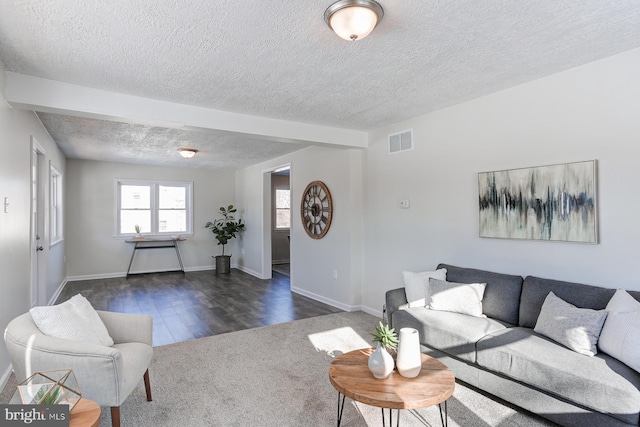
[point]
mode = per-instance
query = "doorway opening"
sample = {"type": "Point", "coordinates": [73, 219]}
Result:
{"type": "Point", "coordinates": [281, 221]}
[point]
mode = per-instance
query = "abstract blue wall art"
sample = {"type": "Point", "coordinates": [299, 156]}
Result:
{"type": "Point", "coordinates": [556, 203]}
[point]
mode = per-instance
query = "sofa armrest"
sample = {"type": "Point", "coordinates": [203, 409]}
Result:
{"type": "Point", "coordinates": [393, 300]}
{"type": "Point", "coordinates": [124, 327]}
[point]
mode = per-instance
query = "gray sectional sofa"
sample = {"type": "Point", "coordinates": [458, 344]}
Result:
{"type": "Point", "coordinates": [502, 355]}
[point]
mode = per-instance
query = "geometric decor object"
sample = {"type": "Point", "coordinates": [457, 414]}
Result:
{"type": "Point", "coordinates": [57, 387]}
{"type": "Point", "coordinates": [554, 203]}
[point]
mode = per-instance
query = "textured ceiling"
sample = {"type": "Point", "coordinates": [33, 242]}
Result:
{"type": "Point", "coordinates": [81, 138]}
{"type": "Point", "coordinates": [280, 60]}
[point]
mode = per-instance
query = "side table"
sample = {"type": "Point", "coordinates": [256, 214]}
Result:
{"type": "Point", "coordinates": [349, 374]}
{"type": "Point", "coordinates": [86, 413]}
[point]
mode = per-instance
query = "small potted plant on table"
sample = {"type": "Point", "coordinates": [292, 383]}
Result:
{"type": "Point", "coordinates": [225, 229]}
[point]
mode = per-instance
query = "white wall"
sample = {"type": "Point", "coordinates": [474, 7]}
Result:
{"type": "Point", "coordinates": [590, 112]}
{"type": "Point", "coordinates": [92, 250]}
{"type": "Point", "coordinates": [312, 261]}
{"type": "Point", "coordinates": [16, 129]}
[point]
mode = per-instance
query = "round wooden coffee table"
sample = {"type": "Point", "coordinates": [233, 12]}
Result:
{"type": "Point", "coordinates": [349, 374]}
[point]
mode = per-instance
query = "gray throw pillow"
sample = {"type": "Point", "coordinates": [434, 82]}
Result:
{"type": "Point", "coordinates": [573, 327]}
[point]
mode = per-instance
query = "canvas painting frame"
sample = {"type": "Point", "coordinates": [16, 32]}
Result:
{"type": "Point", "coordinates": [553, 203]}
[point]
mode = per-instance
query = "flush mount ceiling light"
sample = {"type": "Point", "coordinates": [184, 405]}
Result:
{"type": "Point", "coordinates": [353, 19]}
{"type": "Point", "coordinates": [187, 153]}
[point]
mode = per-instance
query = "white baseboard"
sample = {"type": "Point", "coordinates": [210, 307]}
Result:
{"type": "Point", "coordinates": [249, 271]}
{"type": "Point", "coordinates": [124, 274]}
{"type": "Point", "coordinates": [324, 299]}
{"type": "Point", "coordinates": [201, 268]}
{"type": "Point", "coordinates": [95, 276]}
{"type": "Point", "coordinates": [337, 304]}
{"type": "Point", "coordinates": [57, 293]}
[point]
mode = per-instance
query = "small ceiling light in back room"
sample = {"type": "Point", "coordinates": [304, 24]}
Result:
{"type": "Point", "coordinates": [353, 19]}
{"type": "Point", "coordinates": [187, 153]}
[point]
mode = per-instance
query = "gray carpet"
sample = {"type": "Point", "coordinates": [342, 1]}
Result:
{"type": "Point", "coordinates": [278, 376]}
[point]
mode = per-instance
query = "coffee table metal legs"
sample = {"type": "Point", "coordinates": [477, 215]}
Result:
{"type": "Point", "coordinates": [391, 417]}
{"type": "Point", "coordinates": [443, 416]}
{"type": "Point", "coordinates": [340, 407]}
{"type": "Point", "coordinates": [445, 419]}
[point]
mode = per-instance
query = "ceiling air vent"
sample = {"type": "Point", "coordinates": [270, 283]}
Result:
{"type": "Point", "coordinates": [401, 141]}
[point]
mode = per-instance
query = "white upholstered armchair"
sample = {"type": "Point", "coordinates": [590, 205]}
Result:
{"type": "Point", "coordinates": [107, 375]}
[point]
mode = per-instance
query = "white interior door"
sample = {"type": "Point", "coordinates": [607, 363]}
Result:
{"type": "Point", "coordinates": [38, 238]}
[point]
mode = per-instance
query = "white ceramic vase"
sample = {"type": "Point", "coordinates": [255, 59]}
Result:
{"type": "Point", "coordinates": [380, 363]}
{"type": "Point", "coordinates": [409, 362]}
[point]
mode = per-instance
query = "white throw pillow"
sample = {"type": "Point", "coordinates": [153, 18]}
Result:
{"type": "Point", "coordinates": [620, 336]}
{"type": "Point", "coordinates": [465, 298]}
{"type": "Point", "coordinates": [74, 320]}
{"type": "Point", "coordinates": [93, 319]}
{"type": "Point", "coordinates": [416, 285]}
{"type": "Point", "coordinates": [573, 327]}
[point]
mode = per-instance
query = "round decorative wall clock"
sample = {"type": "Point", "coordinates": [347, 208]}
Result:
{"type": "Point", "coordinates": [316, 209]}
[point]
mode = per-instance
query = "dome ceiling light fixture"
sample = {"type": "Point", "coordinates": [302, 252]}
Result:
{"type": "Point", "coordinates": [187, 153]}
{"type": "Point", "coordinates": [353, 19]}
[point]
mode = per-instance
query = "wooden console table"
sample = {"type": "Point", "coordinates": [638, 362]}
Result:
{"type": "Point", "coordinates": [159, 243]}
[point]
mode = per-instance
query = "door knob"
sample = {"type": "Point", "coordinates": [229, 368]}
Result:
{"type": "Point", "coordinates": [39, 248]}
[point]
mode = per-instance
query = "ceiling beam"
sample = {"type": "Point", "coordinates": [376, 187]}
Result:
{"type": "Point", "coordinates": [50, 96]}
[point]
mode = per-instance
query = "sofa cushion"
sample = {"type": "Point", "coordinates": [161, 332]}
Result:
{"type": "Point", "coordinates": [536, 289]}
{"type": "Point", "coordinates": [501, 296]}
{"type": "Point", "coordinates": [465, 298]}
{"type": "Point", "coordinates": [600, 383]}
{"type": "Point", "coordinates": [452, 333]}
{"type": "Point", "coordinates": [573, 327]}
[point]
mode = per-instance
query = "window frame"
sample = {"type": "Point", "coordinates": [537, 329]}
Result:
{"type": "Point", "coordinates": [275, 208]}
{"type": "Point", "coordinates": [56, 206]}
{"type": "Point", "coordinates": [154, 207]}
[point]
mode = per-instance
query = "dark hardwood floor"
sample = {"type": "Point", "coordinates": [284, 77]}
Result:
{"type": "Point", "coordinates": [199, 304]}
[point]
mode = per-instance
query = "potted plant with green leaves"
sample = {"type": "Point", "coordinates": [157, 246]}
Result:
{"type": "Point", "coordinates": [225, 228]}
{"type": "Point", "coordinates": [380, 361]}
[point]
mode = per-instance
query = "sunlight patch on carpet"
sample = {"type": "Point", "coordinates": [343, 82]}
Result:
{"type": "Point", "coordinates": [338, 341]}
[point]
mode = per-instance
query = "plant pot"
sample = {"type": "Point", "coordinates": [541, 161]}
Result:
{"type": "Point", "coordinates": [380, 363]}
{"type": "Point", "coordinates": [223, 264]}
